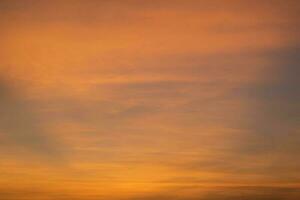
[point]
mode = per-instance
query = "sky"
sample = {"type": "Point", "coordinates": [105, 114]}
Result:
{"type": "Point", "coordinates": [149, 100]}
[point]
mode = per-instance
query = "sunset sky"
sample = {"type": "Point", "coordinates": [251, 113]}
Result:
{"type": "Point", "coordinates": [149, 100]}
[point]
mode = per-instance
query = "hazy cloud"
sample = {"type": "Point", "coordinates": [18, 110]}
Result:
{"type": "Point", "coordinates": [21, 130]}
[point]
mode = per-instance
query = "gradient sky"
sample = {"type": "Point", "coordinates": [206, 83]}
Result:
{"type": "Point", "coordinates": [149, 100]}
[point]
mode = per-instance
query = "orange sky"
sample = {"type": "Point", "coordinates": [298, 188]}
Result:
{"type": "Point", "coordinates": [128, 99]}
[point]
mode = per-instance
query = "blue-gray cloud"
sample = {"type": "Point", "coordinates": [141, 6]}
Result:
{"type": "Point", "coordinates": [20, 127]}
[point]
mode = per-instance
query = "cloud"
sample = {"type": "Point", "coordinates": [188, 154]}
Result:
{"type": "Point", "coordinates": [175, 193]}
{"type": "Point", "coordinates": [274, 110]}
{"type": "Point", "coordinates": [20, 128]}
{"type": "Point", "coordinates": [171, 92]}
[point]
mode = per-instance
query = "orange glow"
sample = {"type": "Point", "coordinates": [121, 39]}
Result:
{"type": "Point", "coordinates": [149, 99]}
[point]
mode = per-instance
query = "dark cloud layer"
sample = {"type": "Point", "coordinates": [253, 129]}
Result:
{"type": "Point", "coordinates": [217, 193]}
